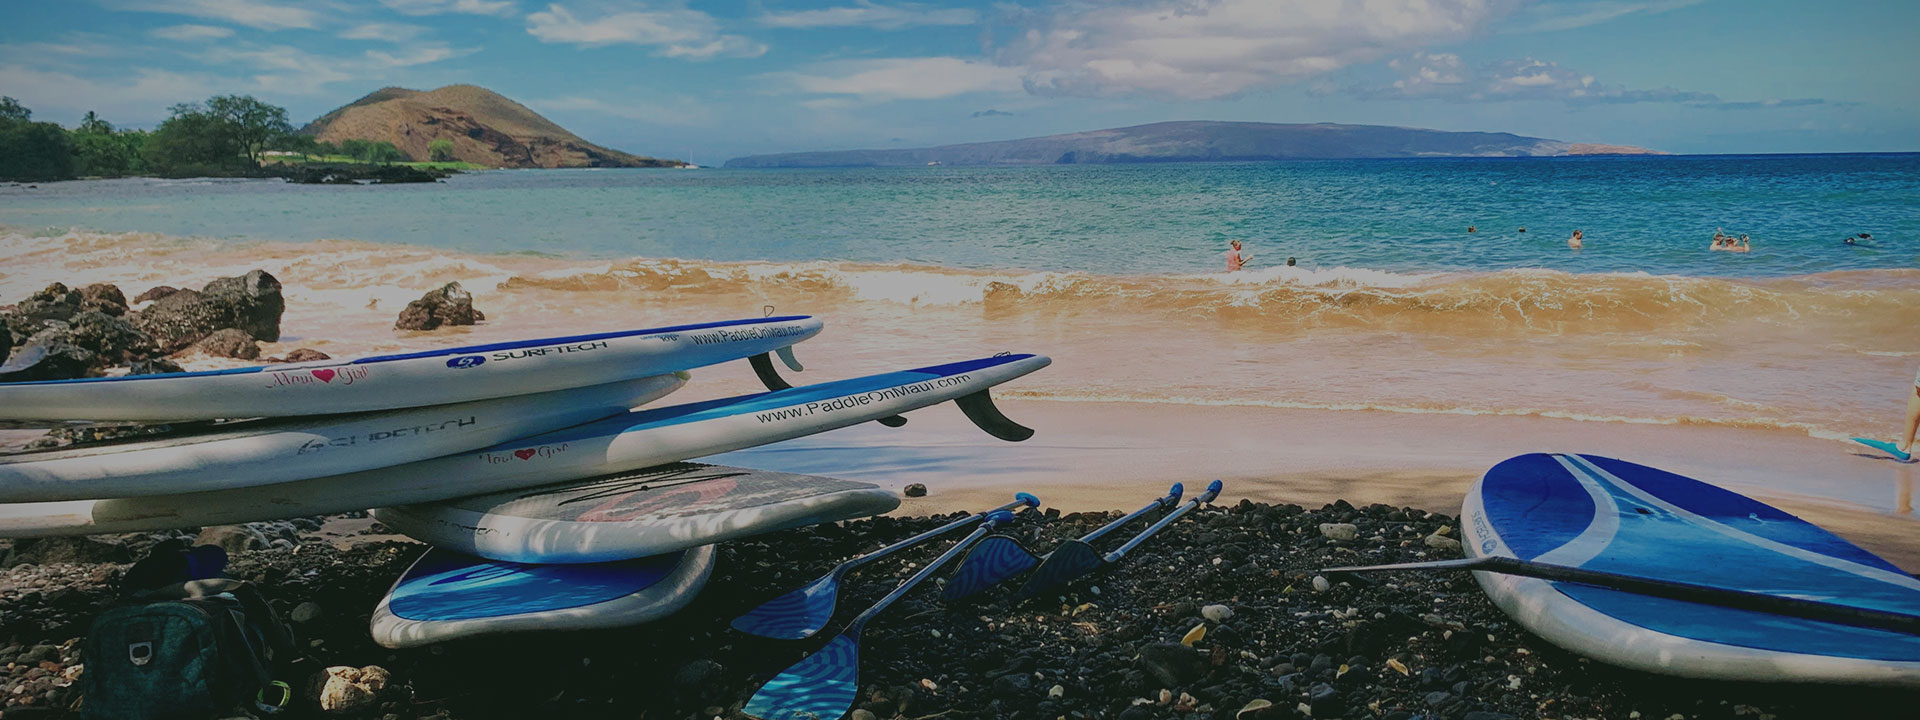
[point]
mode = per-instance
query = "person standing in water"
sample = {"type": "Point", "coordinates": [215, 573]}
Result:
{"type": "Point", "coordinates": [1235, 260]}
{"type": "Point", "coordinates": [1905, 441]}
{"type": "Point", "coordinates": [1573, 243]}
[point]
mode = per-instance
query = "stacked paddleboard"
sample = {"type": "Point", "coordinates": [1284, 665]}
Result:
{"type": "Point", "coordinates": [551, 501]}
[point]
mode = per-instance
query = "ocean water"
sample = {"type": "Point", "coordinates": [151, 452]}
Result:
{"type": "Point", "coordinates": [1115, 271]}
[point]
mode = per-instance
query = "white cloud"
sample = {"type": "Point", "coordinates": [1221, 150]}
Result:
{"type": "Point", "coordinates": [865, 13]}
{"type": "Point", "coordinates": [139, 99]}
{"type": "Point", "coordinates": [1444, 76]}
{"type": "Point", "coordinates": [680, 111]}
{"type": "Point", "coordinates": [251, 13]}
{"type": "Point", "coordinates": [904, 78]}
{"type": "Point", "coordinates": [191, 33]}
{"type": "Point", "coordinates": [672, 32]}
{"type": "Point", "coordinates": [497, 8]}
{"type": "Point", "coordinates": [389, 32]}
{"type": "Point", "coordinates": [416, 55]}
{"type": "Point", "coordinates": [1550, 17]}
{"type": "Point", "coordinates": [1203, 49]}
{"type": "Point", "coordinates": [283, 69]}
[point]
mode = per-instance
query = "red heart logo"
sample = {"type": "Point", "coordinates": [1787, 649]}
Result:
{"type": "Point", "coordinates": [523, 454]}
{"type": "Point", "coordinates": [325, 375]}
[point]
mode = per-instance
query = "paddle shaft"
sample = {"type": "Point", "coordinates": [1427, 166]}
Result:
{"type": "Point", "coordinates": [853, 628]}
{"type": "Point", "coordinates": [1173, 496]}
{"type": "Point", "coordinates": [1674, 590]}
{"type": "Point", "coordinates": [1212, 492]}
{"type": "Point", "coordinates": [930, 534]}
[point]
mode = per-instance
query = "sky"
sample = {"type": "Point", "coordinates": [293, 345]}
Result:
{"type": "Point", "coordinates": [712, 80]}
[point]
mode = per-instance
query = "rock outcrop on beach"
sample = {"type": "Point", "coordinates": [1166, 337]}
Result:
{"type": "Point", "coordinates": [60, 333]}
{"type": "Point", "coordinates": [449, 305]}
{"type": "Point", "coordinates": [484, 127]}
{"type": "Point", "coordinates": [1200, 141]}
{"type": "Point", "coordinates": [1223, 616]}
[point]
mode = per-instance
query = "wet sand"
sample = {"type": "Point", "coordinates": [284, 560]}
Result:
{"type": "Point", "coordinates": [1105, 456]}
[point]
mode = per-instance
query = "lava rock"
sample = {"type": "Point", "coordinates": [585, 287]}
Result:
{"type": "Point", "coordinates": [448, 306]}
{"type": "Point", "coordinates": [49, 354]}
{"type": "Point", "coordinates": [232, 538]}
{"type": "Point", "coordinates": [103, 297]}
{"type": "Point", "coordinates": [77, 549]}
{"type": "Point", "coordinates": [915, 490]}
{"type": "Point", "coordinates": [305, 612]}
{"type": "Point", "coordinates": [1339, 532]}
{"type": "Point", "coordinates": [300, 355]}
{"type": "Point", "coordinates": [155, 293]}
{"type": "Point", "coordinates": [113, 340]}
{"type": "Point", "coordinates": [1442, 542]}
{"type": "Point", "coordinates": [701, 682]}
{"type": "Point", "coordinates": [153, 366]}
{"type": "Point", "coordinates": [344, 690]}
{"type": "Point", "coordinates": [251, 303]}
{"type": "Point", "coordinates": [1172, 664]}
{"type": "Point", "coordinates": [227, 343]}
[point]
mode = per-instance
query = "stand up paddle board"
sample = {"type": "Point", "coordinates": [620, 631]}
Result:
{"type": "Point", "coordinates": [446, 595]}
{"type": "Point", "coordinates": [432, 377]}
{"type": "Point", "coordinates": [629, 515]}
{"type": "Point", "coordinates": [264, 452]}
{"type": "Point", "coordinates": [1885, 447]}
{"type": "Point", "coordinates": [635, 440]}
{"type": "Point", "coordinates": [1608, 515]}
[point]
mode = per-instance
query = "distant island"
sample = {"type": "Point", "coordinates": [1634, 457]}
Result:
{"type": "Point", "coordinates": [478, 125]}
{"type": "Point", "coordinates": [1202, 141]}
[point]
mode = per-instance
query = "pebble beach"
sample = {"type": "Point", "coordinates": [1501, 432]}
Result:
{"type": "Point", "coordinates": [1223, 615]}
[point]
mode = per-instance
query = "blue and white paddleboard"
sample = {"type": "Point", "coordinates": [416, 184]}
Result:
{"type": "Point", "coordinates": [652, 511]}
{"type": "Point", "coordinates": [446, 595]}
{"type": "Point", "coordinates": [639, 439]}
{"type": "Point", "coordinates": [1614, 516]}
{"type": "Point", "coordinates": [1885, 447]}
{"type": "Point", "coordinates": [432, 377]}
{"type": "Point", "coordinates": [265, 452]}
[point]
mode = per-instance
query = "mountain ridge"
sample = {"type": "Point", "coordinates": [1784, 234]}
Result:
{"type": "Point", "coordinates": [1202, 141]}
{"type": "Point", "coordinates": [485, 127]}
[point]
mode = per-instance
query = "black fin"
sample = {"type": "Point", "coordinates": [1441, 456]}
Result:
{"type": "Point", "coordinates": [979, 408]}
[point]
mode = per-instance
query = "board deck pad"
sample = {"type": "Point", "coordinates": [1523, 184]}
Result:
{"type": "Point", "coordinates": [1610, 515]}
{"type": "Point", "coordinates": [647, 512]}
{"type": "Point", "coordinates": [446, 595]}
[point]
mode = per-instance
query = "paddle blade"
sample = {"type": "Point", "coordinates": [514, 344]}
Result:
{"type": "Point", "coordinates": [821, 686]}
{"type": "Point", "coordinates": [795, 615]}
{"type": "Point", "coordinates": [994, 559]}
{"type": "Point", "coordinates": [1065, 564]}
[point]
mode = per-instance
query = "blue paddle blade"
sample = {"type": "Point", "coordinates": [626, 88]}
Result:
{"type": "Point", "coordinates": [820, 687]}
{"type": "Point", "coordinates": [1067, 563]}
{"type": "Point", "coordinates": [994, 559]}
{"type": "Point", "coordinates": [796, 615]}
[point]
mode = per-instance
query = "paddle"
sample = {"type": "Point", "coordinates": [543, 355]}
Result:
{"type": "Point", "coordinates": [1075, 558]}
{"type": "Point", "coordinates": [824, 684]}
{"type": "Point", "coordinates": [803, 612]}
{"type": "Point", "coordinates": [1000, 557]}
{"type": "Point", "coordinates": [1671, 590]}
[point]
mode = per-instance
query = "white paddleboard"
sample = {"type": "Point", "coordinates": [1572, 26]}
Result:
{"type": "Point", "coordinates": [265, 452]}
{"type": "Point", "coordinates": [635, 440]}
{"type": "Point", "coordinates": [628, 515]}
{"type": "Point", "coordinates": [1614, 516]}
{"type": "Point", "coordinates": [432, 377]}
{"type": "Point", "coordinates": [447, 595]}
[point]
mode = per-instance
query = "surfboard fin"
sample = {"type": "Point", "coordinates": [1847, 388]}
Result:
{"type": "Point", "coordinates": [980, 409]}
{"type": "Point", "coordinates": [763, 368]}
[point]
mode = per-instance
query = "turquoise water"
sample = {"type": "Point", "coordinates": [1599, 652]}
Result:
{"type": "Point", "coordinates": [1651, 214]}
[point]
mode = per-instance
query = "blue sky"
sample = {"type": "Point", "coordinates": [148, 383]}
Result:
{"type": "Point", "coordinates": [714, 80]}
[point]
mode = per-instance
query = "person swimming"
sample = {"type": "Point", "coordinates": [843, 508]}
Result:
{"type": "Point", "coordinates": [1745, 244]}
{"type": "Point", "coordinates": [1575, 242]}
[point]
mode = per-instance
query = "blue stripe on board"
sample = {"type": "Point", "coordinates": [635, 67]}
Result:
{"type": "Point", "coordinates": [445, 585]}
{"type": "Point", "coordinates": [758, 402]}
{"type": "Point", "coordinates": [1744, 512]}
{"type": "Point", "coordinates": [1534, 504]}
{"type": "Point", "coordinates": [512, 345]}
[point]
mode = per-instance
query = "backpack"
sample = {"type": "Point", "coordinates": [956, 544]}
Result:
{"type": "Point", "coordinates": [191, 650]}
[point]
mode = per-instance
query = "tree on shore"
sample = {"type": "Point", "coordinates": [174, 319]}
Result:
{"type": "Point", "coordinates": [192, 141]}
{"type": "Point", "coordinates": [440, 150]}
{"type": "Point", "coordinates": [32, 150]}
{"type": "Point", "coordinates": [253, 124]}
{"type": "Point", "coordinates": [101, 151]}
